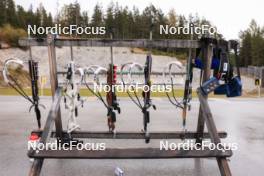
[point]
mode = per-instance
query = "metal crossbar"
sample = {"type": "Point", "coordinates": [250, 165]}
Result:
{"type": "Point", "coordinates": [134, 135]}
{"type": "Point", "coordinates": [140, 43]}
{"type": "Point", "coordinates": [131, 153]}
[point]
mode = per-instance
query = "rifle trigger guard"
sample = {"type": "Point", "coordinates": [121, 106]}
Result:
{"type": "Point", "coordinates": [41, 105]}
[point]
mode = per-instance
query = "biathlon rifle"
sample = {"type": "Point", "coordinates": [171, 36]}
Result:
{"type": "Point", "coordinates": [111, 105]}
{"type": "Point", "coordinates": [34, 76]}
{"type": "Point", "coordinates": [174, 101]}
{"type": "Point", "coordinates": [33, 72]}
{"type": "Point", "coordinates": [71, 91]}
{"type": "Point", "coordinates": [111, 97]}
{"type": "Point", "coordinates": [146, 96]}
{"type": "Point", "coordinates": [187, 96]}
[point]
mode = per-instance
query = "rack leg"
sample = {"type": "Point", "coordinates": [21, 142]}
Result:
{"type": "Point", "coordinates": [36, 167]}
{"type": "Point", "coordinates": [207, 115]}
{"type": "Point", "coordinates": [207, 53]}
{"type": "Point", "coordinates": [54, 79]}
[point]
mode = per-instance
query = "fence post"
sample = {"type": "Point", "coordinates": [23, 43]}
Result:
{"type": "Point", "coordinates": [262, 76]}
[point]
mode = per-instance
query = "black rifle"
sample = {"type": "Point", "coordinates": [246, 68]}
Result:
{"type": "Point", "coordinates": [187, 96]}
{"type": "Point", "coordinates": [146, 96]}
{"type": "Point", "coordinates": [69, 76]}
{"type": "Point", "coordinates": [111, 99]}
{"type": "Point", "coordinates": [34, 76]}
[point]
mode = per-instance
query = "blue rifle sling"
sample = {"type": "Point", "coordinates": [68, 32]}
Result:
{"type": "Point", "coordinates": [234, 87]}
{"type": "Point", "coordinates": [221, 90]}
{"type": "Point", "coordinates": [199, 64]}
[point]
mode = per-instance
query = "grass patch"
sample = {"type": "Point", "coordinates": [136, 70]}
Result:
{"type": "Point", "coordinates": [85, 92]}
{"type": "Point", "coordinates": [179, 55]}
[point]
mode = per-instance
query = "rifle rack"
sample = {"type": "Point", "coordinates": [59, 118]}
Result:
{"type": "Point", "coordinates": [54, 116]}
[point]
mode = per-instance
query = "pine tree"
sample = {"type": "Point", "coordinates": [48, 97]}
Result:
{"type": "Point", "coordinates": [130, 25]}
{"type": "Point", "coordinates": [21, 17]}
{"type": "Point", "coordinates": [49, 21]}
{"type": "Point", "coordinates": [11, 16]}
{"type": "Point", "coordinates": [2, 12]}
{"type": "Point", "coordinates": [245, 50]}
{"type": "Point", "coordinates": [109, 20]}
{"type": "Point", "coordinates": [84, 20]}
{"type": "Point", "coordinates": [172, 17]}
{"type": "Point", "coordinates": [30, 17]}
{"type": "Point", "coordinates": [136, 31]}
{"type": "Point", "coordinates": [70, 14]}
{"type": "Point", "coordinates": [97, 17]}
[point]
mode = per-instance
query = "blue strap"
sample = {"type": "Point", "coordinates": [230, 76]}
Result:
{"type": "Point", "coordinates": [199, 64]}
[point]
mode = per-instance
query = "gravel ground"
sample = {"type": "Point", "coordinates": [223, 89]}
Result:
{"type": "Point", "coordinates": [241, 118]}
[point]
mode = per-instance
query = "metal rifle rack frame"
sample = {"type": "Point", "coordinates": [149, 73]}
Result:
{"type": "Point", "coordinates": [54, 116]}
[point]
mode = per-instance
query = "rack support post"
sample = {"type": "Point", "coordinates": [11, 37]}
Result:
{"type": "Point", "coordinates": [54, 80]}
{"type": "Point", "coordinates": [207, 50]}
{"type": "Point", "coordinates": [208, 118]}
